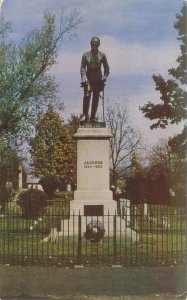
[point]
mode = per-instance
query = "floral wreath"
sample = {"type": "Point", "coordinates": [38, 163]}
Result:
{"type": "Point", "coordinates": [94, 231]}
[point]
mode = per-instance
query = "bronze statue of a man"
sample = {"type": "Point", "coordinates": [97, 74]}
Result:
{"type": "Point", "coordinates": [92, 78]}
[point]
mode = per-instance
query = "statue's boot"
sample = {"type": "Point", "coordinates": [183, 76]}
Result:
{"type": "Point", "coordinates": [86, 105]}
{"type": "Point", "coordinates": [95, 102]}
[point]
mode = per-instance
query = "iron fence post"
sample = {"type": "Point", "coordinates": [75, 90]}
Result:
{"type": "Point", "coordinates": [114, 242]}
{"type": "Point", "coordinates": [79, 258]}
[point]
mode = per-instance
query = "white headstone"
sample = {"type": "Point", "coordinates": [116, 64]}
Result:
{"type": "Point", "coordinates": [145, 209]}
{"type": "Point", "coordinates": [68, 187]}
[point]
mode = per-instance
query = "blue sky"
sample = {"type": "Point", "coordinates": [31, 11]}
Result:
{"type": "Point", "coordinates": [137, 36]}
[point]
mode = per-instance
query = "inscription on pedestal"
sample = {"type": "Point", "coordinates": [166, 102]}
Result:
{"type": "Point", "coordinates": [93, 210]}
{"type": "Point", "coordinates": [93, 164]}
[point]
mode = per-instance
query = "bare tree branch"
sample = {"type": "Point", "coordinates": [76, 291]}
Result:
{"type": "Point", "coordinates": [124, 141]}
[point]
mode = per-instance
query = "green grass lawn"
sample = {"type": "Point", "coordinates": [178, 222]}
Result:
{"type": "Point", "coordinates": [28, 247]}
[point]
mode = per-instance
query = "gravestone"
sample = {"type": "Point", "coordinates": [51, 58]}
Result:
{"type": "Point", "coordinates": [145, 209]}
{"type": "Point", "coordinates": [68, 187]}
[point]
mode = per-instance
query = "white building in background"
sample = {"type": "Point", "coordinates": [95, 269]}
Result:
{"type": "Point", "coordinates": [33, 182]}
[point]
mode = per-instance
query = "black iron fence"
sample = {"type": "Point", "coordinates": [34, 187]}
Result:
{"type": "Point", "coordinates": [135, 236]}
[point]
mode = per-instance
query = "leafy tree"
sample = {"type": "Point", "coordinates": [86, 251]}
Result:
{"type": "Point", "coordinates": [73, 122]}
{"type": "Point", "coordinates": [158, 185]}
{"type": "Point", "coordinates": [161, 181]}
{"type": "Point", "coordinates": [172, 108]}
{"type": "Point", "coordinates": [151, 183]}
{"type": "Point", "coordinates": [161, 154]}
{"type": "Point", "coordinates": [124, 141]}
{"type": "Point", "coordinates": [25, 83]}
{"type": "Point", "coordinates": [178, 144]}
{"type": "Point", "coordinates": [26, 86]}
{"type": "Point", "coordinates": [172, 166]}
{"type": "Point", "coordinates": [136, 181]}
{"type": "Point", "coordinates": [49, 184]}
{"type": "Point", "coordinates": [32, 202]}
{"type": "Point", "coordinates": [53, 149]}
{"type": "Point", "coordinates": [9, 165]}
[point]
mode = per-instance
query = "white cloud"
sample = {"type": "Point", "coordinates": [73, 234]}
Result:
{"type": "Point", "coordinates": [134, 58]}
{"type": "Point", "coordinates": [124, 58]}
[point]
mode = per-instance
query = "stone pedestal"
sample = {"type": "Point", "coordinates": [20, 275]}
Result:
{"type": "Point", "coordinates": [93, 195]}
{"type": "Point", "coordinates": [93, 199]}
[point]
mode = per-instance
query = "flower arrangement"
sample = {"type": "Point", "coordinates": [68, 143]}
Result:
{"type": "Point", "coordinates": [94, 231]}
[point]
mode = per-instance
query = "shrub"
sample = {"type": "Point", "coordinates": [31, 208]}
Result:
{"type": "Point", "coordinates": [50, 183]}
{"type": "Point", "coordinates": [32, 202]}
{"type": "Point", "coordinates": [7, 193]}
{"type": "Point", "coordinates": [12, 207]}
